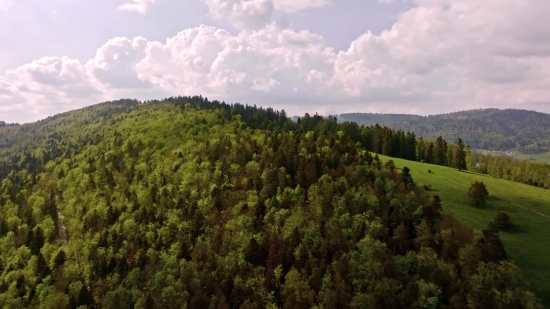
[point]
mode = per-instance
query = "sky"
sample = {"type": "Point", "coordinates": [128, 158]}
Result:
{"type": "Point", "coordinates": [317, 56]}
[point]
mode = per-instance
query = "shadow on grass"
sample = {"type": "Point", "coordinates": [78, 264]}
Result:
{"type": "Point", "coordinates": [518, 229]}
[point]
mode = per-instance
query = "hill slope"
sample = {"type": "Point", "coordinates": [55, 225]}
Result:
{"type": "Point", "coordinates": [529, 248]}
{"type": "Point", "coordinates": [482, 129]}
{"type": "Point", "coordinates": [179, 204]}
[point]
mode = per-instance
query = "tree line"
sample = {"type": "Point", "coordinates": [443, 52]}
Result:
{"type": "Point", "coordinates": [490, 129]}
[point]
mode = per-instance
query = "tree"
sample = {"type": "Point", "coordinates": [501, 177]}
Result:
{"type": "Point", "coordinates": [390, 165]}
{"type": "Point", "coordinates": [407, 178]}
{"type": "Point", "coordinates": [491, 245]}
{"type": "Point", "coordinates": [469, 157]}
{"type": "Point", "coordinates": [477, 194]}
{"type": "Point", "coordinates": [430, 154]}
{"type": "Point", "coordinates": [459, 156]}
{"type": "Point", "coordinates": [450, 151]}
{"type": "Point", "coordinates": [251, 210]}
{"type": "Point", "coordinates": [439, 151]}
{"type": "Point", "coordinates": [432, 212]}
{"type": "Point", "coordinates": [503, 223]}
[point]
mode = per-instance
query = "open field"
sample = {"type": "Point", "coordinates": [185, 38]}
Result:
{"type": "Point", "coordinates": [528, 207]}
{"type": "Point", "coordinates": [535, 157]}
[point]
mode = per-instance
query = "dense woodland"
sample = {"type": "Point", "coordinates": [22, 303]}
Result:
{"type": "Point", "coordinates": [187, 203]}
{"type": "Point", "coordinates": [491, 129]}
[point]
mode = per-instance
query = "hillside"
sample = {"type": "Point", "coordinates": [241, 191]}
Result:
{"type": "Point", "coordinates": [491, 129]}
{"type": "Point", "coordinates": [196, 204]}
{"type": "Point", "coordinates": [530, 247]}
{"type": "Point", "coordinates": [63, 133]}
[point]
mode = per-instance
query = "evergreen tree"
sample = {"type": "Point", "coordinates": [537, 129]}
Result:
{"type": "Point", "coordinates": [459, 156]}
{"type": "Point", "coordinates": [439, 152]}
{"type": "Point", "coordinates": [430, 153]}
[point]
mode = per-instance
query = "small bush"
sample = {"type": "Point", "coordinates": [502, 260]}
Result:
{"type": "Point", "coordinates": [430, 171]}
{"type": "Point", "coordinates": [427, 187]}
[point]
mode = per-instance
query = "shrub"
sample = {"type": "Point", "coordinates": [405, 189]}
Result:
{"type": "Point", "coordinates": [427, 187]}
{"type": "Point", "coordinates": [477, 194]}
{"type": "Point", "coordinates": [503, 223]}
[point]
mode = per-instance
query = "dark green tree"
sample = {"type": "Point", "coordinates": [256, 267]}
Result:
{"type": "Point", "coordinates": [459, 156]}
{"type": "Point", "coordinates": [477, 194]}
{"type": "Point", "coordinates": [503, 223]}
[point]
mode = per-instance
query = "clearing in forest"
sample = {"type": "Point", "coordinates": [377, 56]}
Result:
{"type": "Point", "coordinates": [529, 248]}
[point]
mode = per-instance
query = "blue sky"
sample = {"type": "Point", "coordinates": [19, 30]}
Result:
{"type": "Point", "coordinates": [405, 56]}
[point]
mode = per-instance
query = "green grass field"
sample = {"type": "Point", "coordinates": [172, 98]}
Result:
{"type": "Point", "coordinates": [535, 157]}
{"type": "Point", "coordinates": [530, 248]}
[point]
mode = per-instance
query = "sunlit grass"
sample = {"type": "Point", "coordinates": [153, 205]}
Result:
{"type": "Point", "coordinates": [530, 248]}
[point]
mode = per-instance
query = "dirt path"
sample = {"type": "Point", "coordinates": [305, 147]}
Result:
{"type": "Point", "coordinates": [538, 213]}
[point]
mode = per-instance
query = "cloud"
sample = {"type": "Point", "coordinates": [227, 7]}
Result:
{"type": "Point", "coordinates": [439, 56]}
{"type": "Point", "coordinates": [5, 4]}
{"type": "Point", "coordinates": [461, 54]}
{"type": "Point", "coordinates": [45, 86]}
{"type": "Point", "coordinates": [213, 62]}
{"type": "Point", "coordinates": [291, 6]}
{"type": "Point", "coordinates": [138, 6]}
{"type": "Point", "coordinates": [256, 13]}
{"type": "Point", "coordinates": [239, 13]}
{"type": "Point", "coordinates": [242, 13]}
{"type": "Point", "coordinates": [113, 65]}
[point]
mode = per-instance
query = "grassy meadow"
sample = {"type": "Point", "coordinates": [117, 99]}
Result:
{"type": "Point", "coordinates": [529, 248]}
{"type": "Point", "coordinates": [535, 157]}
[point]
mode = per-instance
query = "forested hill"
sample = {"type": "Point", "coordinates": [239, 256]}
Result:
{"type": "Point", "coordinates": [492, 129]}
{"type": "Point", "coordinates": [188, 203]}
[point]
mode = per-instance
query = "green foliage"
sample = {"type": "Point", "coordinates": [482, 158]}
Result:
{"type": "Point", "coordinates": [198, 204]}
{"type": "Point", "coordinates": [459, 156]}
{"type": "Point", "coordinates": [477, 194]}
{"type": "Point", "coordinates": [532, 173]}
{"type": "Point", "coordinates": [525, 205]}
{"type": "Point", "coordinates": [482, 129]}
{"type": "Point", "coordinates": [503, 223]}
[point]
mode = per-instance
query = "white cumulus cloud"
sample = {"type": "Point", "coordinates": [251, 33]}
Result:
{"type": "Point", "coordinates": [45, 86]}
{"type": "Point", "coordinates": [298, 5]}
{"type": "Point", "coordinates": [242, 13]}
{"type": "Point", "coordinates": [439, 56]}
{"type": "Point", "coordinates": [5, 4]}
{"type": "Point", "coordinates": [138, 6]}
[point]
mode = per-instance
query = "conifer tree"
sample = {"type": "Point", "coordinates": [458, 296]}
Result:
{"type": "Point", "coordinates": [459, 156]}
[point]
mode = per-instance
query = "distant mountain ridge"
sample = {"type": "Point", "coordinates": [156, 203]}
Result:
{"type": "Point", "coordinates": [494, 129]}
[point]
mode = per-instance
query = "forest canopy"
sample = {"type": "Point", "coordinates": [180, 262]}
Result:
{"type": "Point", "coordinates": [491, 129]}
{"type": "Point", "coordinates": [197, 204]}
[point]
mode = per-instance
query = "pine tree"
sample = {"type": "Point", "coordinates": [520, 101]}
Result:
{"type": "Point", "coordinates": [439, 151]}
{"type": "Point", "coordinates": [459, 156]}
{"type": "Point", "coordinates": [430, 153]}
